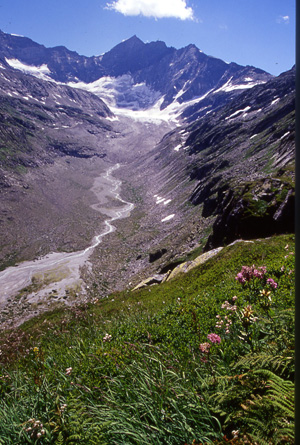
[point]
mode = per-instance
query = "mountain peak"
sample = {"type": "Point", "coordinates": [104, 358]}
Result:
{"type": "Point", "coordinates": [134, 39]}
{"type": "Point", "coordinates": [132, 55]}
{"type": "Point", "coordinates": [133, 43]}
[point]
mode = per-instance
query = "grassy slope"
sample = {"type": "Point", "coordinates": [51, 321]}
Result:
{"type": "Point", "coordinates": [138, 375]}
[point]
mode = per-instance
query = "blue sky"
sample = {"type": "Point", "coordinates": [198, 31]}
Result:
{"type": "Point", "coordinates": [249, 32]}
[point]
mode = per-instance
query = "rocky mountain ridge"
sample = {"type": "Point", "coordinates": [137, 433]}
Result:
{"type": "Point", "coordinates": [177, 75]}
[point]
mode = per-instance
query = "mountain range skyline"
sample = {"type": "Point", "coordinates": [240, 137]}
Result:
{"type": "Point", "coordinates": [261, 35]}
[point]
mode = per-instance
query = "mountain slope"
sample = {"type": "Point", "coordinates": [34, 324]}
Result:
{"type": "Point", "coordinates": [33, 112]}
{"type": "Point", "coordinates": [235, 166]}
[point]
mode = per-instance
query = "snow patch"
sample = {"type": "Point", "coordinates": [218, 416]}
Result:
{"type": "Point", "coordinates": [167, 218]}
{"type": "Point", "coordinates": [238, 112]}
{"type": "Point", "coordinates": [285, 134]}
{"type": "Point", "coordinates": [229, 86]}
{"type": "Point", "coordinates": [275, 101]}
{"type": "Point", "coordinates": [160, 200]}
{"type": "Point", "coordinates": [41, 71]}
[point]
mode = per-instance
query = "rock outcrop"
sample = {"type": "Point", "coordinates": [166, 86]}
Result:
{"type": "Point", "coordinates": [257, 209]}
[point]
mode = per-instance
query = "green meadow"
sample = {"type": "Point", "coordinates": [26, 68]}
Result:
{"type": "Point", "coordinates": [206, 358]}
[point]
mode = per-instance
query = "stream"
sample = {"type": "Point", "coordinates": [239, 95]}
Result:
{"type": "Point", "coordinates": [59, 271]}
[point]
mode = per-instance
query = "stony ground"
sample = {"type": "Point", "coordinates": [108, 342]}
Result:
{"type": "Point", "coordinates": [53, 209]}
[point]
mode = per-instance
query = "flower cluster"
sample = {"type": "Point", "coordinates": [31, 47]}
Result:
{"type": "Point", "coordinates": [204, 347]}
{"type": "Point", "coordinates": [229, 307]}
{"type": "Point", "coordinates": [214, 338]}
{"type": "Point", "coordinates": [266, 299]}
{"type": "Point", "coordinates": [107, 337]}
{"type": "Point", "coordinates": [248, 315]}
{"type": "Point", "coordinates": [248, 273]}
{"type": "Point", "coordinates": [272, 283]}
{"type": "Point", "coordinates": [68, 371]}
{"type": "Point", "coordinates": [63, 407]}
{"type": "Point", "coordinates": [35, 428]}
{"type": "Point", "coordinates": [220, 323]}
{"type": "Point", "coordinates": [226, 322]}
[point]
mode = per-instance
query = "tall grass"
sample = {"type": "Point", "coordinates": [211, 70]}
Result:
{"type": "Point", "coordinates": [206, 358]}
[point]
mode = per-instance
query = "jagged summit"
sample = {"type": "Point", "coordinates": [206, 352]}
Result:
{"type": "Point", "coordinates": [133, 55]}
{"type": "Point", "coordinates": [176, 75]}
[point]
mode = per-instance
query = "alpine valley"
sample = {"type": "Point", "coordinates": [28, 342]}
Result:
{"type": "Point", "coordinates": [116, 169]}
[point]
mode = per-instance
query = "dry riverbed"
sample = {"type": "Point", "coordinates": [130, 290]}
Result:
{"type": "Point", "coordinates": [34, 286]}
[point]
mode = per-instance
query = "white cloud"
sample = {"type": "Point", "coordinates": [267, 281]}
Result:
{"type": "Point", "coordinates": [153, 8]}
{"type": "Point", "coordinates": [283, 19]}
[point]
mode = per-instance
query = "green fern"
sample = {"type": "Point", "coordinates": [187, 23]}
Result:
{"type": "Point", "coordinates": [74, 438]}
{"type": "Point", "coordinates": [259, 402]}
{"type": "Point", "coordinates": [281, 364]}
{"type": "Point", "coordinates": [281, 395]}
{"type": "Point", "coordinates": [60, 439]}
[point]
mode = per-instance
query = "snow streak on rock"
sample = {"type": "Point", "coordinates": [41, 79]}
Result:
{"type": "Point", "coordinates": [40, 72]}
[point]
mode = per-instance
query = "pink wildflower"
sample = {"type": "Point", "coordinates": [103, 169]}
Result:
{"type": "Point", "coordinates": [247, 273]}
{"type": "Point", "coordinates": [214, 338]}
{"type": "Point", "coordinates": [240, 278]}
{"type": "Point", "coordinates": [219, 324]}
{"type": "Point", "coordinates": [272, 283]}
{"type": "Point", "coordinates": [204, 347]}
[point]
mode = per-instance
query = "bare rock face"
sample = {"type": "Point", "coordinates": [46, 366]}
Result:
{"type": "Point", "coordinates": [156, 255]}
{"type": "Point", "coordinates": [260, 209]}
